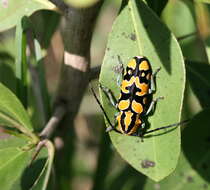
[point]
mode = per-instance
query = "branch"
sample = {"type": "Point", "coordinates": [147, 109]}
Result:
{"type": "Point", "coordinates": [74, 78]}
{"type": "Point", "coordinates": [77, 34]}
{"type": "Point", "coordinates": [61, 5]}
{"type": "Point", "coordinates": [53, 122]}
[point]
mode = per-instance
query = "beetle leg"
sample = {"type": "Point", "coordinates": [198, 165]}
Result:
{"type": "Point", "coordinates": [143, 125]}
{"type": "Point", "coordinates": [119, 80]}
{"type": "Point", "coordinates": [152, 105]}
{"type": "Point", "coordinates": [152, 85]}
{"type": "Point", "coordinates": [99, 103]}
{"type": "Point", "coordinates": [109, 95]}
{"type": "Point", "coordinates": [112, 127]}
{"type": "Point", "coordinates": [121, 69]}
{"type": "Point", "coordinates": [140, 132]}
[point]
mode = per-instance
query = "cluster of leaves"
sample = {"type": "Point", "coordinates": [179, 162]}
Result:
{"type": "Point", "coordinates": [139, 29]}
{"type": "Point", "coordinates": [17, 169]}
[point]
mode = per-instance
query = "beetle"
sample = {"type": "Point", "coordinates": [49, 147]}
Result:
{"type": "Point", "coordinates": [135, 100]}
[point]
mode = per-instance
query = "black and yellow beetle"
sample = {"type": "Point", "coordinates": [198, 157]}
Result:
{"type": "Point", "coordinates": [135, 101]}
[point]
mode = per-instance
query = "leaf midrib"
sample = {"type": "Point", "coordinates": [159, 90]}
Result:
{"type": "Point", "coordinates": [135, 26]}
{"type": "Point", "coordinates": [141, 53]}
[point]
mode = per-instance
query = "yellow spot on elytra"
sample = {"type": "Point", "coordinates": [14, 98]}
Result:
{"type": "Point", "coordinates": [142, 74]}
{"type": "Point", "coordinates": [123, 104]}
{"type": "Point", "coordinates": [128, 119]}
{"type": "Point", "coordinates": [126, 83]}
{"type": "Point", "coordinates": [144, 89]}
{"type": "Point", "coordinates": [144, 65]}
{"type": "Point", "coordinates": [132, 64]}
{"type": "Point", "coordinates": [135, 127]}
{"type": "Point", "coordinates": [137, 82]}
{"type": "Point", "coordinates": [137, 107]}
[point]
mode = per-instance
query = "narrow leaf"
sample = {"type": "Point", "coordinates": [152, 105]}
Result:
{"type": "Point", "coordinates": [21, 60]}
{"type": "Point", "coordinates": [42, 80]}
{"type": "Point", "coordinates": [43, 179]}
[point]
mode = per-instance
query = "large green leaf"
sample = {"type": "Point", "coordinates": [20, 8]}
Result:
{"type": "Point", "coordinates": [13, 161]}
{"type": "Point", "coordinates": [12, 10]}
{"type": "Point", "coordinates": [16, 171]}
{"type": "Point", "coordinates": [12, 113]}
{"type": "Point", "coordinates": [193, 169]}
{"type": "Point", "coordinates": [137, 31]}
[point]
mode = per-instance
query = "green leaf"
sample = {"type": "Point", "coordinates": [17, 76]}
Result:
{"type": "Point", "coordinates": [43, 179]}
{"type": "Point", "coordinates": [174, 15]}
{"type": "Point", "coordinates": [48, 22]}
{"type": "Point", "coordinates": [15, 171]}
{"type": "Point", "coordinates": [21, 60]}
{"type": "Point", "coordinates": [102, 169]}
{"type": "Point", "coordinates": [12, 113]}
{"type": "Point", "coordinates": [157, 6]}
{"type": "Point", "coordinates": [193, 169]}
{"type": "Point", "coordinates": [137, 31]}
{"type": "Point", "coordinates": [196, 144]}
{"type": "Point", "coordinates": [198, 73]}
{"type": "Point", "coordinates": [7, 76]}
{"type": "Point", "coordinates": [42, 81]}
{"type": "Point", "coordinates": [12, 10]}
{"type": "Point", "coordinates": [202, 1]}
{"type": "Point", "coordinates": [13, 161]}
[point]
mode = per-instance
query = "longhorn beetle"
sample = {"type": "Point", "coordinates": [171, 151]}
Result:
{"type": "Point", "coordinates": [134, 103]}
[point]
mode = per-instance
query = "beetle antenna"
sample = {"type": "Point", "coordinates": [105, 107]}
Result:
{"type": "Point", "coordinates": [168, 126]}
{"type": "Point", "coordinates": [99, 103]}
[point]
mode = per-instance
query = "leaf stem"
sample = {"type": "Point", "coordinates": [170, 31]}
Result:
{"type": "Point", "coordinates": [53, 122]}
{"type": "Point", "coordinates": [18, 126]}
